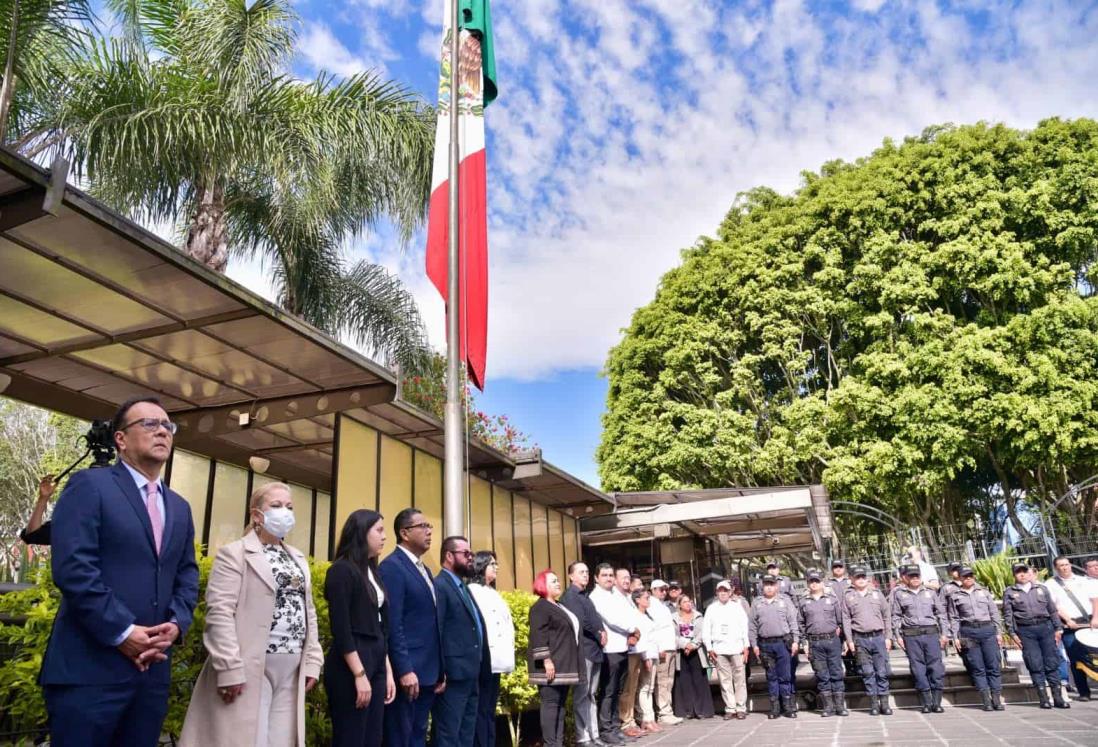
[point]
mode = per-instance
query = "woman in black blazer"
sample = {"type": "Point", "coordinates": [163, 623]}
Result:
{"type": "Point", "coordinates": [553, 655]}
{"type": "Point", "coordinates": [357, 675]}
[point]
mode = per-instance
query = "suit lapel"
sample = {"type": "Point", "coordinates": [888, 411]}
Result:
{"type": "Point", "coordinates": [125, 481]}
{"type": "Point", "coordinates": [414, 570]}
{"type": "Point", "coordinates": [254, 556]}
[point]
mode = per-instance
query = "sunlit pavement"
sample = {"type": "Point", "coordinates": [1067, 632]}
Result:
{"type": "Point", "coordinates": [970, 726]}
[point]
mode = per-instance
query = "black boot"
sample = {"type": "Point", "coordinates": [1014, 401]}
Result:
{"type": "Point", "coordinates": [787, 707]}
{"type": "Point", "coordinates": [936, 701]}
{"type": "Point", "coordinates": [985, 696]}
{"type": "Point", "coordinates": [997, 700]}
{"type": "Point", "coordinates": [1042, 696]}
{"type": "Point", "coordinates": [1058, 697]}
{"type": "Point", "coordinates": [874, 705]}
{"type": "Point", "coordinates": [840, 704]}
{"type": "Point", "coordinates": [775, 708]}
{"type": "Point", "coordinates": [885, 709]}
{"type": "Point", "coordinates": [924, 698]}
{"type": "Point", "coordinates": [828, 705]}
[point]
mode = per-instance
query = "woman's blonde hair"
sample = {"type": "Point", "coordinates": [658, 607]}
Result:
{"type": "Point", "coordinates": [259, 495]}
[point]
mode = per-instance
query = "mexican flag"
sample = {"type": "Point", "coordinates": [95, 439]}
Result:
{"type": "Point", "coordinates": [476, 88]}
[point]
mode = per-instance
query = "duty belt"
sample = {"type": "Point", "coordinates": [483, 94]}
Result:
{"type": "Point", "coordinates": [775, 638]}
{"type": "Point", "coordinates": [867, 633]}
{"type": "Point", "coordinates": [977, 624]}
{"type": "Point", "coordinates": [1031, 623]}
{"type": "Point", "coordinates": [822, 637]}
{"type": "Point", "coordinates": [920, 630]}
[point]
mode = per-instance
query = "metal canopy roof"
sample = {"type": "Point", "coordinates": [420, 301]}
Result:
{"type": "Point", "coordinates": [94, 309]}
{"type": "Point", "coordinates": [746, 521]}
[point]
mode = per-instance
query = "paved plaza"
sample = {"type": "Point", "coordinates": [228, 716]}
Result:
{"type": "Point", "coordinates": [1023, 725]}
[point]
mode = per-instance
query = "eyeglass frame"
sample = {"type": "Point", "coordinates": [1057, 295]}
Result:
{"type": "Point", "coordinates": [171, 427]}
{"type": "Point", "coordinates": [419, 525]}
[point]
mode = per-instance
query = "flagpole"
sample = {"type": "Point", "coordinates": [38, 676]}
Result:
{"type": "Point", "coordinates": [453, 495]}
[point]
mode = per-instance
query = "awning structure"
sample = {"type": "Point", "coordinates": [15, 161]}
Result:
{"type": "Point", "coordinates": [746, 521]}
{"type": "Point", "coordinates": [94, 309]}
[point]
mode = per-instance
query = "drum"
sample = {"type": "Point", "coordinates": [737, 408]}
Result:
{"type": "Point", "coordinates": [1088, 639]}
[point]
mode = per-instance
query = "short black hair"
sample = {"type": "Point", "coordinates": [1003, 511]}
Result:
{"type": "Point", "coordinates": [449, 544]}
{"type": "Point", "coordinates": [119, 420]}
{"type": "Point", "coordinates": [481, 561]}
{"type": "Point", "coordinates": [403, 520]}
{"type": "Point", "coordinates": [573, 564]}
{"type": "Point", "coordinates": [603, 567]}
{"type": "Point", "coordinates": [1088, 561]}
{"type": "Point", "coordinates": [638, 594]}
{"type": "Point", "coordinates": [1058, 558]}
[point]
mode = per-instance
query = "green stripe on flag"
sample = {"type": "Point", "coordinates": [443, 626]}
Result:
{"type": "Point", "coordinates": [477, 17]}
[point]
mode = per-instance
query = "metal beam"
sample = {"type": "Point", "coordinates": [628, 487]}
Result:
{"type": "Point", "coordinates": [204, 422]}
{"type": "Point", "coordinates": [760, 503]}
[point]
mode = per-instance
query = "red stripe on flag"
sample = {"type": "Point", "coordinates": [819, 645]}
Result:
{"type": "Point", "coordinates": [473, 257]}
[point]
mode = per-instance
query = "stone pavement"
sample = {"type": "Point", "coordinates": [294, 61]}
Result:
{"type": "Point", "coordinates": [1023, 725]}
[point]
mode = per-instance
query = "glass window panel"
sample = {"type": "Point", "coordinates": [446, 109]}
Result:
{"type": "Point", "coordinates": [323, 522]}
{"type": "Point", "coordinates": [303, 517]}
{"type": "Point", "coordinates": [541, 537]}
{"type": "Point", "coordinates": [480, 515]}
{"type": "Point", "coordinates": [191, 479]}
{"type": "Point", "coordinates": [505, 539]}
{"type": "Point", "coordinates": [396, 478]}
{"type": "Point", "coordinates": [524, 556]}
{"type": "Point", "coordinates": [428, 499]}
{"type": "Point", "coordinates": [356, 479]}
{"type": "Point", "coordinates": [229, 502]}
{"type": "Point", "coordinates": [571, 553]}
{"type": "Point", "coordinates": [556, 544]}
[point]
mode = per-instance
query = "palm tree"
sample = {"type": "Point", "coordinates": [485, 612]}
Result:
{"type": "Point", "coordinates": [190, 117]}
{"type": "Point", "coordinates": [38, 37]}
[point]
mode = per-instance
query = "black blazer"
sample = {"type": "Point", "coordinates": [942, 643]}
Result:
{"type": "Point", "coordinates": [353, 609]}
{"type": "Point", "coordinates": [590, 622]}
{"type": "Point", "coordinates": [552, 636]}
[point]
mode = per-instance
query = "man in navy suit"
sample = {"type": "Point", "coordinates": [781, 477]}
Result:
{"type": "Point", "coordinates": [123, 559]}
{"type": "Point", "coordinates": [415, 652]}
{"type": "Point", "coordinates": [464, 647]}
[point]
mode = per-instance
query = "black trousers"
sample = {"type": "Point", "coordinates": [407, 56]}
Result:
{"type": "Point", "coordinates": [614, 669]}
{"type": "Point", "coordinates": [486, 711]}
{"type": "Point", "coordinates": [553, 698]}
{"type": "Point", "coordinates": [924, 656]}
{"type": "Point", "coordinates": [1040, 654]}
{"type": "Point", "coordinates": [360, 727]}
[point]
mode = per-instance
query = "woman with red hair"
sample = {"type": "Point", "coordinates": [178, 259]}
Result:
{"type": "Point", "coordinates": [553, 655]}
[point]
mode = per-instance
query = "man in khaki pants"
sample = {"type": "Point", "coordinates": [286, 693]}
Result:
{"type": "Point", "coordinates": [725, 637]}
{"type": "Point", "coordinates": [665, 633]}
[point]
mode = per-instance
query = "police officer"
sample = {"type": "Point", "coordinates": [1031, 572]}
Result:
{"type": "Point", "coordinates": [785, 584]}
{"type": "Point", "coordinates": [918, 624]}
{"type": "Point", "coordinates": [867, 628]}
{"type": "Point", "coordinates": [773, 630]}
{"type": "Point", "coordinates": [821, 621]}
{"type": "Point", "coordinates": [839, 582]}
{"type": "Point", "coordinates": [974, 627]}
{"type": "Point", "coordinates": [1031, 620]}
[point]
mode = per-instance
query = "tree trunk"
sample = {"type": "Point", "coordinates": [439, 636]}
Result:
{"type": "Point", "coordinates": [7, 89]}
{"type": "Point", "coordinates": [206, 240]}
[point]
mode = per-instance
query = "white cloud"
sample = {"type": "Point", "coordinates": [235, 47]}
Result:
{"type": "Point", "coordinates": [625, 128]}
{"type": "Point", "coordinates": [323, 51]}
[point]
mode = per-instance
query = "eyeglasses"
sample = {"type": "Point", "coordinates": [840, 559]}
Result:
{"type": "Point", "coordinates": [466, 553]}
{"type": "Point", "coordinates": [152, 425]}
{"type": "Point", "coordinates": [420, 525]}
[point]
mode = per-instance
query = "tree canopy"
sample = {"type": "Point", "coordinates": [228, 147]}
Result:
{"type": "Point", "coordinates": [917, 330]}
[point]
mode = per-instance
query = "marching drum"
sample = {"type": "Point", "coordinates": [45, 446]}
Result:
{"type": "Point", "coordinates": [1088, 638]}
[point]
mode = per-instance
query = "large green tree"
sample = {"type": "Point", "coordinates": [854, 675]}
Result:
{"type": "Point", "coordinates": [190, 116]}
{"type": "Point", "coordinates": [917, 330]}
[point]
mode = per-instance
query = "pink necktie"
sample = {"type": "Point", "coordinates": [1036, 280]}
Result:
{"type": "Point", "coordinates": [155, 518]}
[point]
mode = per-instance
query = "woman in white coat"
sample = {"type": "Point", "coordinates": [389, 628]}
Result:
{"type": "Point", "coordinates": [261, 635]}
{"type": "Point", "coordinates": [501, 642]}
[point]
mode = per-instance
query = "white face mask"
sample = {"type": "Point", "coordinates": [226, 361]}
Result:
{"type": "Point", "coordinates": [278, 521]}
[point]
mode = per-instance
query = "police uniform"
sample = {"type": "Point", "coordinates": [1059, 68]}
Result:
{"type": "Point", "coordinates": [867, 624]}
{"type": "Point", "coordinates": [773, 628]}
{"type": "Point", "coordinates": [919, 620]}
{"type": "Point", "coordinates": [1030, 616]}
{"type": "Point", "coordinates": [821, 621]}
{"type": "Point", "coordinates": [974, 624]}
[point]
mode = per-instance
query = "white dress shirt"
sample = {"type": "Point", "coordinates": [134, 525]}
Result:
{"type": "Point", "coordinates": [617, 614]}
{"type": "Point", "coordinates": [1080, 586]}
{"type": "Point", "coordinates": [666, 631]}
{"type": "Point", "coordinates": [724, 628]}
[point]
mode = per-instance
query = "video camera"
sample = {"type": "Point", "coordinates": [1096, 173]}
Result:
{"type": "Point", "coordinates": [100, 442]}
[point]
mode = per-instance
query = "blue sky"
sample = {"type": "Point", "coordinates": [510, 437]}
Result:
{"type": "Point", "coordinates": [625, 129]}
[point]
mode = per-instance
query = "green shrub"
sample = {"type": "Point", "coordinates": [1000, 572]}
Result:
{"type": "Point", "coordinates": [516, 694]}
{"type": "Point", "coordinates": [21, 697]}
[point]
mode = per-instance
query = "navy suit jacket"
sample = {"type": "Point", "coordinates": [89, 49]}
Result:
{"type": "Point", "coordinates": [413, 631]}
{"type": "Point", "coordinates": [105, 565]}
{"type": "Point", "coordinates": [463, 651]}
